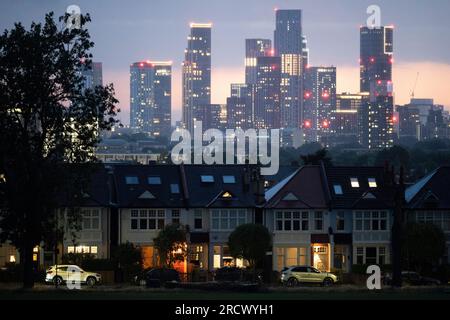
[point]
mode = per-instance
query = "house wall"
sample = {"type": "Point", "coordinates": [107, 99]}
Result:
{"type": "Point", "coordinates": [98, 237]}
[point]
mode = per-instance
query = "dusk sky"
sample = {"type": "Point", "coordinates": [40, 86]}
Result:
{"type": "Point", "coordinates": [130, 31]}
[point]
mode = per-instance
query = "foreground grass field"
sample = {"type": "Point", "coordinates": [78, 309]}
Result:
{"type": "Point", "coordinates": [133, 293]}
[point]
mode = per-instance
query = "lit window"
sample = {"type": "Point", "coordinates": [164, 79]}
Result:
{"type": "Point", "coordinates": [71, 249]}
{"type": "Point", "coordinates": [354, 182]}
{"type": "Point", "coordinates": [154, 180]}
{"type": "Point", "coordinates": [227, 195]}
{"type": "Point", "coordinates": [207, 179]}
{"type": "Point", "coordinates": [12, 258]}
{"type": "Point", "coordinates": [372, 183]}
{"type": "Point", "coordinates": [229, 179]}
{"type": "Point", "coordinates": [131, 180]}
{"type": "Point", "coordinates": [175, 188]}
{"type": "Point", "coordinates": [338, 189]}
{"type": "Point", "coordinates": [94, 250]}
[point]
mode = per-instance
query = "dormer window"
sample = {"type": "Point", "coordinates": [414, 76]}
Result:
{"type": "Point", "coordinates": [354, 182]}
{"type": "Point", "coordinates": [338, 189]}
{"type": "Point", "coordinates": [154, 180]}
{"type": "Point", "coordinates": [207, 179]}
{"type": "Point", "coordinates": [131, 180]}
{"type": "Point", "coordinates": [227, 195]}
{"type": "Point", "coordinates": [372, 183]}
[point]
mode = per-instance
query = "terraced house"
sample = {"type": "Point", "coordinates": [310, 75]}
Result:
{"type": "Point", "coordinates": [330, 217]}
{"type": "Point", "coordinates": [327, 217]}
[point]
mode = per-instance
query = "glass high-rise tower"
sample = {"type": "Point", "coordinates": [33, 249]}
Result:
{"type": "Point", "coordinates": [151, 97]}
{"type": "Point", "coordinates": [196, 73]}
{"type": "Point", "coordinates": [288, 45]}
{"type": "Point", "coordinates": [255, 48]}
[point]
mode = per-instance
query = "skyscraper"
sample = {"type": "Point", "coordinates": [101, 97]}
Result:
{"type": "Point", "coordinates": [288, 45]}
{"type": "Point", "coordinates": [93, 76]}
{"type": "Point", "coordinates": [151, 97]}
{"type": "Point", "coordinates": [267, 93]}
{"type": "Point", "coordinates": [196, 73]}
{"type": "Point", "coordinates": [255, 48]}
{"type": "Point", "coordinates": [319, 102]}
{"type": "Point", "coordinates": [376, 114]}
{"type": "Point", "coordinates": [240, 106]}
{"type": "Point", "coordinates": [376, 55]}
{"type": "Point", "coordinates": [344, 120]}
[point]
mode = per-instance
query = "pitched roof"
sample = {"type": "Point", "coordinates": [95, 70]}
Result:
{"type": "Point", "coordinates": [364, 196]}
{"type": "Point", "coordinates": [302, 190]}
{"type": "Point", "coordinates": [433, 190]}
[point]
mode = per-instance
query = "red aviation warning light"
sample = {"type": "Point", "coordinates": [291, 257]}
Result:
{"type": "Point", "coordinates": [307, 124]}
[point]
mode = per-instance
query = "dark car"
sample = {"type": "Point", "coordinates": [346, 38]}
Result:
{"type": "Point", "coordinates": [413, 279]}
{"type": "Point", "coordinates": [157, 277]}
{"type": "Point", "coordinates": [228, 274]}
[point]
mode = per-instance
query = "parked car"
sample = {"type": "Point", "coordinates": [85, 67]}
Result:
{"type": "Point", "coordinates": [157, 277]}
{"type": "Point", "coordinates": [413, 279]}
{"type": "Point", "coordinates": [295, 275]}
{"type": "Point", "coordinates": [62, 273]}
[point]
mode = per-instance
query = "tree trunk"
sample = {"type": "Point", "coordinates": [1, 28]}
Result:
{"type": "Point", "coordinates": [28, 268]}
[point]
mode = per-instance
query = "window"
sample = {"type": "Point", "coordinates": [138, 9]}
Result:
{"type": "Point", "coordinates": [176, 216]}
{"type": "Point", "coordinates": [382, 255]}
{"type": "Point", "coordinates": [82, 249]}
{"type": "Point", "coordinates": [289, 221]}
{"type": "Point", "coordinates": [174, 188]}
{"type": "Point", "coordinates": [228, 219]}
{"type": "Point", "coordinates": [372, 183]}
{"type": "Point", "coordinates": [371, 255]}
{"type": "Point", "coordinates": [305, 221]}
{"type": "Point", "coordinates": [340, 221]}
{"type": "Point", "coordinates": [359, 255]}
{"type": "Point", "coordinates": [131, 180]}
{"type": "Point", "coordinates": [216, 257]}
{"type": "Point", "coordinates": [198, 219]}
{"type": "Point", "coordinates": [291, 257]}
{"type": "Point", "coordinates": [147, 219]}
{"type": "Point", "coordinates": [338, 189]}
{"type": "Point", "coordinates": [91, 219]}
{"type": "Point", "coordinates": [229, 179]}
{"type": "Point", "coordinates": [155, 180]}
{"type": "Point", "coordinates": [318, 220]}
{"type": "Point", "coordinates": [370, 221]}
{"type": "Point", "coordinates": [207, 179]}
{"type": "Point", "coordinates": [354, 182]}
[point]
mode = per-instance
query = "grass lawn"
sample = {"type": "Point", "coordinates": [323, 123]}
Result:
{"type": "Point", "coordinates": [338, 293]}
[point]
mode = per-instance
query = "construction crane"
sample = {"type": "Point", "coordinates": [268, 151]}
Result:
{"type": "Point", "coordinates": [414, 87]}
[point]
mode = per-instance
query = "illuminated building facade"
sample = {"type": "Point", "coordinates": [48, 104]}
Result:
{"type": "Point", "coordinates": [288, 45]}
{"type": "Point", "coordinates": [319, 102]}
{"type": "Point", "coordinates": [267, 93]}
{"type": "Point", "coordinates": [240, 106]}
{"type": "Point", "coordinates": [344, 120]}
{"type": "Point", "coordinates": [151, 97]}
{"type": "Point", "coordinates": [196, 73]}
{"type": "Point", "coordinates": [255, 48]}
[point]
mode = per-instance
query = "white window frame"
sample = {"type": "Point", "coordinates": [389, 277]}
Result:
{"type": "Point", "coordinates": [220, 215]}
{"type": "Point", "coordinates": [88, 214]}
{"type": "Point", "coordinates": [147, 215]}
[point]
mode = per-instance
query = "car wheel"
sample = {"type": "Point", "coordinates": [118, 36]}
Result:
{"type": "Point", "coordinates": [57, 280]}
{"type": "Point", "coordinates": [292, 282]}
{"type": "Point", "coordinates": [328, 282]}
{"type": "Point", "coordinates": [142, 282]}
{"type": "Point", "coordinates": [91, 281]}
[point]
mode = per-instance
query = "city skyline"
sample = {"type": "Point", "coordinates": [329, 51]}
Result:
{"type": "Point", "coordinates": [230, 29]}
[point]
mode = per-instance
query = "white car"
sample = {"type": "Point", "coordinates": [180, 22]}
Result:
{"type": "Point", "coordinates": [62, 273]}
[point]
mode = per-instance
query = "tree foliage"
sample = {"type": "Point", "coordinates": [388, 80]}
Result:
{"type": "Point", "coordinates": [171, 244]}
{"type": "Point", "coordinates": [316, 158]}
{"type": "Point", "coordinates": [423, 245]}
{"type": "Point", "coordinates": [250, 242]}
{"type": "Point", "coordinates": [47, 120]}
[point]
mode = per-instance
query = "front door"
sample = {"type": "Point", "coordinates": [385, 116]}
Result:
{"type": "Point", "coordinates": [321, 259]}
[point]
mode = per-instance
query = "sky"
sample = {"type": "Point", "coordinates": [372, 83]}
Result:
{"type": "Point", "coordinates": [128, 31]}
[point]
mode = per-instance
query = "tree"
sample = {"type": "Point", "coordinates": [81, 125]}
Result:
{"type": "Point", "coordinates": [423, 245]}
{"type": "Point", "coordinates": [171, 244]}
{"type": "Point", "coordinates": [317, 157]}
{"type": "Point", "coordinates": [47, 120]}
{"type": "Point", "coordinates": [127, 257]}
{"type": "Point", "coordinates": [250, 242]}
